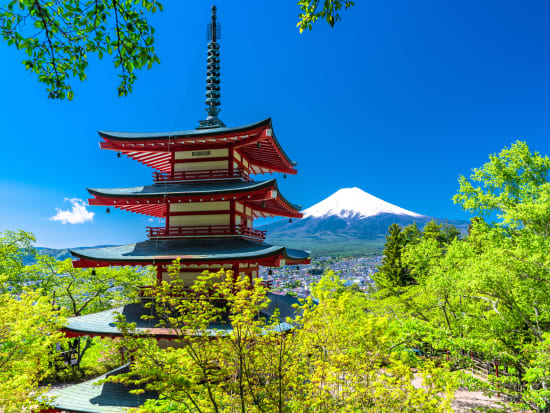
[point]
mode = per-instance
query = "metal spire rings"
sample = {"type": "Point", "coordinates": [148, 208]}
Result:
{"type": "Point", "coordinates": [213, 69]}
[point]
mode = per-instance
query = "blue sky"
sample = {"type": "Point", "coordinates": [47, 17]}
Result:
{"type": "Point", "coordinates": [398, 99]}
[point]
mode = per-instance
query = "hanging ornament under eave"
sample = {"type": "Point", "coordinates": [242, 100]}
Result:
{"type": "Point", "coordinates": [108, 210]}
{"type": "Point", "coordinates": [118, 155]}
{"type": "Point", "coordinates": [270, 272]}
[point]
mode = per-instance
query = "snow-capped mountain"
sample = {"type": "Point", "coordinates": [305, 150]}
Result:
{"type": "Point", "coordinates": [348, 221]}
{"type": "Point", "coordinates": [354, 203]}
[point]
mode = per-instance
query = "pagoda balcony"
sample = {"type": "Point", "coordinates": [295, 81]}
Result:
{"type": "Point", "coordinates": [201, 175]}
{"type": "Point", "coordinates": [206, 231]}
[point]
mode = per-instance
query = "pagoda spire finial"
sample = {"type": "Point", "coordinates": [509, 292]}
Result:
{"type": "Point", "coordinates": [213, 75]}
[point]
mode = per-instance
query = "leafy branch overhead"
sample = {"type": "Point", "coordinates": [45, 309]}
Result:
{"type": "Point", "coordinates": [313, 10]}
{"type": "Point", "coordinates": [59, 35]}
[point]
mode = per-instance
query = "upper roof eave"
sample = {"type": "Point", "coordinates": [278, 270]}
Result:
{"type": "Point", "coordinates": [182, 134]}
{"type": "Point", "coordinates": [194, 133]}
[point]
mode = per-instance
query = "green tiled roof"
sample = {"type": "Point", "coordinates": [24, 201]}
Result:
{"type": "Point", "coordinates": [193, 133]}
{"type": "Point", "coordinates": [219, 249]}
{"type": "Point", "coordinates": [89, 397]}
{"type": "Point", "coordinates": [104, 322]}
{"type": "Point", "coordinates": [185, 189]}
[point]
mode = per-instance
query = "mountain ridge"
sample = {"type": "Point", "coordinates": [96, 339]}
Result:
{"type": "Point", "coordinates": [354, 202]}
{"type": "Point", "coordinates": [350, 222]}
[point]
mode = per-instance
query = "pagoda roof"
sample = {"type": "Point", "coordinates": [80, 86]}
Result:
{"type": "Point", "coordinates": [94, 397]}
{"type": "Point", "coordinates": [256, 141]}
{"type": "Point", "coordinates": [104, 323]}
{"type": "Point", "coordinates": [184, 189]}
{"type": "Point", "coordinates": [216, 250]}
{"type": "Point", "coordinates": [192, 133]}
{"type": "Point", "coordinates": [152, 199]}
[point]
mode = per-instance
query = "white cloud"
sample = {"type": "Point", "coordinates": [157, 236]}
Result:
{"type": "Point", "coordinates": [78, 214]}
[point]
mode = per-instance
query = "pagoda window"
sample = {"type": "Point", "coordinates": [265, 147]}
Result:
{"type": "Point", "coordinates": [212, 153]}
{"type": "Point", "coordinates": [200, 153]}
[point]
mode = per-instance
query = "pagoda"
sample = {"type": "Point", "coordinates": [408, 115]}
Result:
{"type": "Point", "coordinates": [203, 188]}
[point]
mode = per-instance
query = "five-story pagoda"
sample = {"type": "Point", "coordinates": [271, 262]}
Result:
{"type": "Point", "coordinates": [203, 189]}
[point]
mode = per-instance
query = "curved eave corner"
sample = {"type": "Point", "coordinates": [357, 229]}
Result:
{"type": "Point", "coordinates": [292, 163]}
{"type": "Point", "coordinates": [297, 256]}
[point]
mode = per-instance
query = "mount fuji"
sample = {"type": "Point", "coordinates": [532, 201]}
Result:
{"type": "Point", "coordinates": [350, 221]}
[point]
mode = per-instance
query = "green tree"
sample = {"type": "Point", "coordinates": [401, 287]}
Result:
{"type": "Point", "coordinates": [15, 248]}
{"type": "Point", "coordinates": [58, 36]}
{"type": "Point", "coordinates": [340, 358]}
{"type": "Point", "coordinates": [392, 273]}
{"type": "Point", "coordinates": [28, 330]}
{"type": "Point", "coordinates": [208, 369]}
{"type": "Point", "coordinates": [411, 233]}
{"type": "Point", "coordinates": [513, 185]}
{"type": "Point", "coordinates": [75, 291]}
{"type": "Point", "coordinates": [83, 291]}
{"type": "Point", "coordinates": [489, 292]}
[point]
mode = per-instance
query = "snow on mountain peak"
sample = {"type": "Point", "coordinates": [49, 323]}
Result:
{"type": "Point", "coordinates": [354, 203]}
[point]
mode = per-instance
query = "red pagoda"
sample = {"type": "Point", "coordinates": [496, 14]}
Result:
{"type": "Point", "coordinates": [203, 188]}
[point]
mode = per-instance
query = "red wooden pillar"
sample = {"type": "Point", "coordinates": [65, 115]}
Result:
{"type": "Point", "coordinates": [232, 216]}
{"type": "Point", "coordinates": [235, 269]}
{"type": "Point", "coordinates": [167, 216]}
{"type": "Point", "coordinates": [231, 161]}
{"type": "Point", "coordinates": [159, 274]}
{"type": "Point", "coordinates": [172, 162]}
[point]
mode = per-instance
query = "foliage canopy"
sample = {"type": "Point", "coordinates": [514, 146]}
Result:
{"type": "Point", "coordinates": [59, 36]}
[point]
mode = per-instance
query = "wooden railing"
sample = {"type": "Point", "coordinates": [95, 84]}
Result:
{"type": "Point", "coordinates": [205, 231]}
{"type": "Point", "coordinates": [200, 175]}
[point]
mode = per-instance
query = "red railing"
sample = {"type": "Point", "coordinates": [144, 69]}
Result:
{"type": "Point", "coordinates": [200, 175]}
{"type": "Point", "coordinates": [205, 231]}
